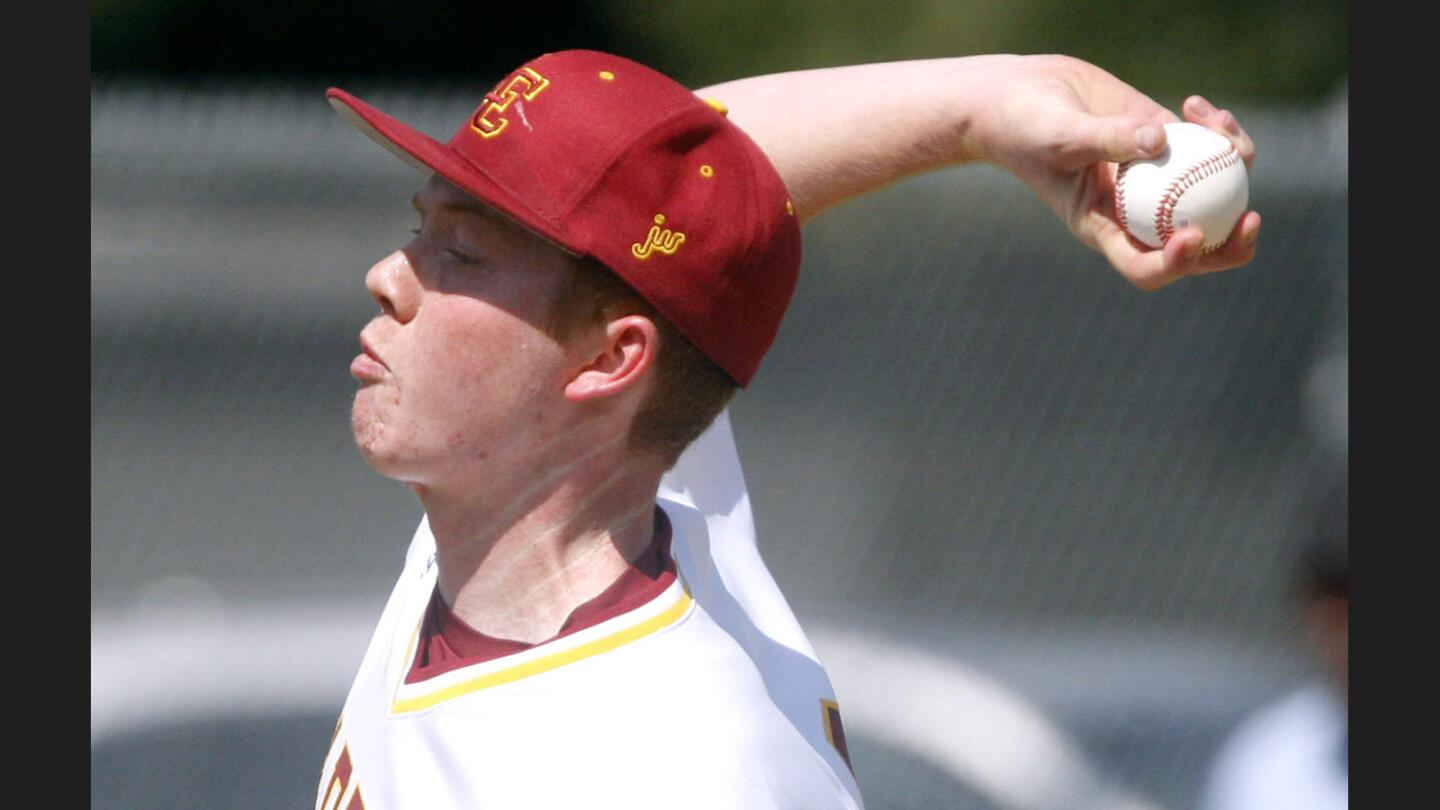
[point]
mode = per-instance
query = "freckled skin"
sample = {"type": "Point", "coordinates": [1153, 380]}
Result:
{"type": "Point", "coordinates": [471, 378]}
{"type": "Point", "coordinates": [515, 444]}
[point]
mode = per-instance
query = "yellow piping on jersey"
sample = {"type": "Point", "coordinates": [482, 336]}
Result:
{"type": "Point", "coordinates": [553, 661]}
{"type": "Point", "coordinates": [410, 648]}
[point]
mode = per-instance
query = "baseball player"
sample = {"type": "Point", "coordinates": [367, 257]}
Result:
{"type": "Point", "coordinates": [1294, 752]}
{"type": "Point", "coordinates": [602, 258]}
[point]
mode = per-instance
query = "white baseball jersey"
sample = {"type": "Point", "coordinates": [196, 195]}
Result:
{"type": "Point", "coordinates": [706, 696]}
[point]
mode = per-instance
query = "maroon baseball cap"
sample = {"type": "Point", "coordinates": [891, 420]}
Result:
{"type": "Point", "coordinates": [612, 160]}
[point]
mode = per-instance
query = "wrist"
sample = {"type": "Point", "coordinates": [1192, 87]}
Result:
{"type": "Point", "coordinates": [986, 93]}
{"type": "Point", "coordinates": [1000, 95]}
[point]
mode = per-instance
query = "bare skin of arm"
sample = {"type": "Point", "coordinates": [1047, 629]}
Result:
{"type": "Point", "coordinates": [1058, 123]}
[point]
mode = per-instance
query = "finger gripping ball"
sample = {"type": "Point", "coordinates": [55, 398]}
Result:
{"type": "Point", "coordinates": [1199, 180]}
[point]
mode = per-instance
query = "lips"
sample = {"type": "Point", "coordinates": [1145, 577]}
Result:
{"type": "Point", "coordinates": [368, 365]}
{"type": "Point", "coordinates": [369, 350]}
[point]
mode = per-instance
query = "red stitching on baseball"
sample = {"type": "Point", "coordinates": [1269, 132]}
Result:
{"type": "Point", "coordinates": [1120, 197]}
{"type": "Point", "coordinates": [1165, 211]}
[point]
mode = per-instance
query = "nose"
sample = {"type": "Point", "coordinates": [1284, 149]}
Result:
{"type": "Point", "coordinates": [392, 282]}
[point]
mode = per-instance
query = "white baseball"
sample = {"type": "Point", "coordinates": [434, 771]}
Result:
{"type": "Point", "coordinates": [1199, 180]}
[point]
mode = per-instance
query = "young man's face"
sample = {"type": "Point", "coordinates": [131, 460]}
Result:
{"type": "Point", "coordinates": [457, 377]}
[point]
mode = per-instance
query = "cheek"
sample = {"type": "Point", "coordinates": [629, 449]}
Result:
{"type": "Point", "coordinates": [480, 379]}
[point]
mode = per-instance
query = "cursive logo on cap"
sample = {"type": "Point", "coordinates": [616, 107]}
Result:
{"type": "Point", "coordinates": [662, 239]}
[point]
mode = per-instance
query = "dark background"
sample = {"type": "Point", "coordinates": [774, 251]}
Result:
{"type": "Point", "coordinates": [1238, 52]}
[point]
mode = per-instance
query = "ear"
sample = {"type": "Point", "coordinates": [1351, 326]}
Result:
{"type": "Point", "coordinates": [616, 362]}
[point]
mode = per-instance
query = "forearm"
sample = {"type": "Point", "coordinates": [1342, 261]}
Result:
{"type": "Point", "coordinates": [834, 133]}
{"type": "Point", "coordinates": [1060, 124]}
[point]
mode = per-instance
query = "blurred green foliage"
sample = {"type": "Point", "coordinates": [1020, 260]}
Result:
{"type": "Point", "coordinates": [335, 39]}
{"type": "Point", "coordinates": [1236, 52]}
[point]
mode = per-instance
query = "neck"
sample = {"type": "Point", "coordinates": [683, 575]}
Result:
{"type": "Point", "coordinates": [515, 562]}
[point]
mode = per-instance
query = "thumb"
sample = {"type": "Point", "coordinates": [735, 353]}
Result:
{"type": "Point", "coordinates": [1121, 138]}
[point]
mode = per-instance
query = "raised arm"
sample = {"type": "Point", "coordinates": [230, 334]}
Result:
{"type": "Point", "coordinates": [1058, 123]}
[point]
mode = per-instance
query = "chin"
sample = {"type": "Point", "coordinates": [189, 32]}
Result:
{"type": "Point", "coordinates": [383, 449]}
{"type": "Point", "coordinates": [370, 438]}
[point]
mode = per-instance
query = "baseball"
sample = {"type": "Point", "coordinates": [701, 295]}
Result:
{"type": "Point", "coordinates": [1199, 180]}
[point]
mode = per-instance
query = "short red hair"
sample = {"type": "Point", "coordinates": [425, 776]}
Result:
{"type": "Point", "coordinates": [690, 388]}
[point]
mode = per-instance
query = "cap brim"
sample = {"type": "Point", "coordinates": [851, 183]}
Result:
{"type": "Point", "coordinates": [426, 154]}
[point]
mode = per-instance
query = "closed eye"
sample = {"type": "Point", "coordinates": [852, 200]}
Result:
{"type": "Point", "coordinates": [463, 258]}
